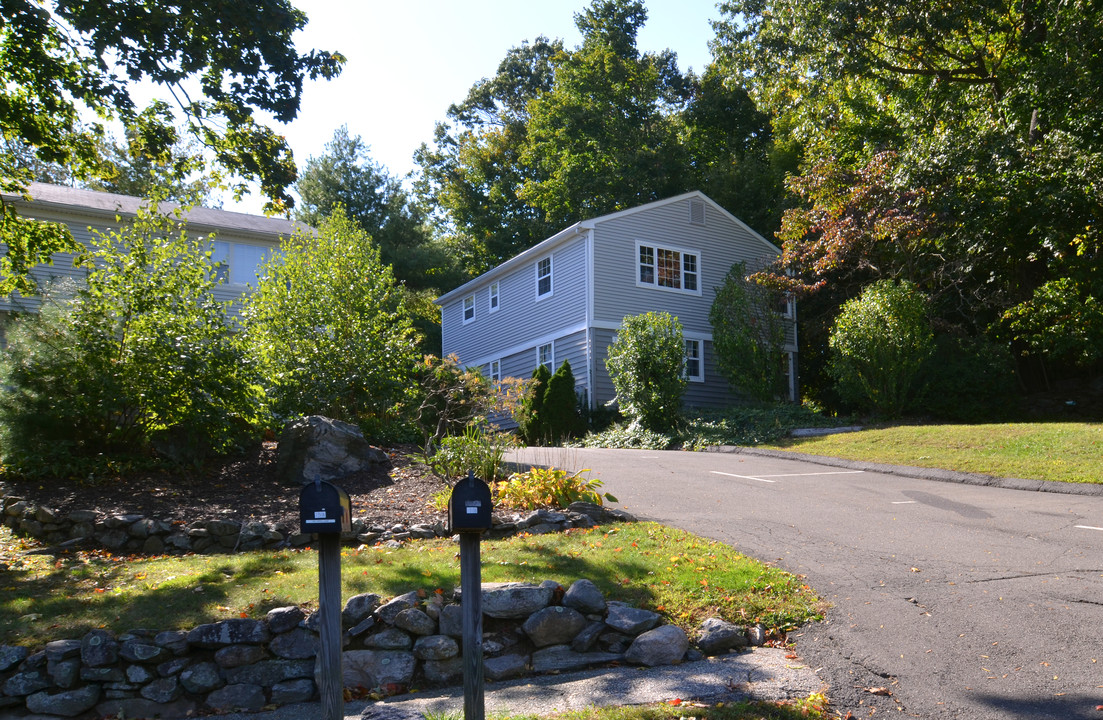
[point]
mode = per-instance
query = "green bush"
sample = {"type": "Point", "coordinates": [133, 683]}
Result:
{"type": "Point", "coordinates": [328, 327]}
{"type": "Point", "coordinates": [140, 359]}
{"type": "Point", "coordinates": [550, 413]}
{"type": "Point", "coordinates": [645, 365]}
{"type": "Point", "coordinates": [530, 416]}
{"type": "Point", "coordinates": [879, 345]}
{"type": "Point", "coordinates": [548, 487]}
{"type": "Point", "coordinates": [621, 436]}
{"type": "Point", "coordinates": [450, 397]}
{"type": "Point", "coordinates": [479, 449]}
{"type": "Point", "coordinates": [749, 336]}
{"type": "Point", "coordinates": [969, 380]}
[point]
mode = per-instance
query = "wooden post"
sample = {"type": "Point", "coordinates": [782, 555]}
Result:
{"type": "Point", "coordinates": [332, 679]}
{"type": "Point", "coordinates": [471, 587]}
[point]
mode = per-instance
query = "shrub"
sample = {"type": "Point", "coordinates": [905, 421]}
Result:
{"type": "Point", "coordinates": [450, 397]}
{"type": "Point", "coordinates": [552, 417]}
{"type": "Point", "coordinates": [329, 329]}
{"type": "Point", "coordinates": [969, 380]}
{"type": "Point", "coordinates": [645, 364]}
{"type": "Point", "coordinates": [623, 436]}
{"type": "Point", "coordinates": [749, 336]}
{"type": "Point", "coordinates": [879, 344]}
{"type": "Point", "coordinates": [530, 416]}
{"type": "Point", "coordinates": [140, 358]}
{"type": "Point", "coordinates": [541, 487]}
{"type": "Point", "coordinates": [479, 449]}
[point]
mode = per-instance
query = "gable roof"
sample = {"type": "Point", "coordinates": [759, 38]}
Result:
{"type": "Point", "coordinates": [202, 219]}
{"type": "Point", "coordinates": [546, 246]}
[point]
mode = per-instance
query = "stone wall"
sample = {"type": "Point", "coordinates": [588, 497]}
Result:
{"type": "Point", "coordinates": [152, 536]}
{"type": "Point", "coordinates": [389, 648]}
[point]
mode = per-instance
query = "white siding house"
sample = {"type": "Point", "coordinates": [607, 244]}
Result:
{"type": "Point", "coordinates": [242, 241]}
{"type": "Point", "coordinates": [565, 298]}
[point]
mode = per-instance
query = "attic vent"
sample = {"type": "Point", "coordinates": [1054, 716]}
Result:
{"type": "Point", "coordinates": [697, 212]}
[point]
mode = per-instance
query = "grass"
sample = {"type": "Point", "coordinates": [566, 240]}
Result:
{"type": "Point", "coordinates": [1058, 451]}
{"type": "Point", "coordinates": [682, 575]}
{"type": "Point", "coordinates": [813, 707]}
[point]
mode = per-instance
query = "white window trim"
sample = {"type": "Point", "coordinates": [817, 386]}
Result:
{"type": "Point", "coordinates": [468, 303]}
{"type": "Point", "coordinates": [495, 376]}
{"type": "Point", "coordinates": [682, 252]}
{"type": "Point", "coordinates": [551, 355]}
{"type": "Point", "coordinates": [495, 299]}
{"type": "Point", "coordinates": [700, 361]}
{"type": "Point", "coordinates": [551, 278]}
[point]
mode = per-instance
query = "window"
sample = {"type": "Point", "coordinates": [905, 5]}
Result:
{"type": "Point", "coordinates": [493, 297]}
{"type": "Point", "coordinates": [238, 263]}
{"type": "Point", "coordinates": [543, 277]}
{"type": "Point", "coordinates": [496, 371]}
{"type": "Point", "coordinates": [785, 306]}
{"type": "Point", "coordinates": [695, 367]}
{"type": "Point", "coordinates": [669, 268]}
{"type": "Point", "coordinates": [545, 357]}
{"type": "Point", "coordinates": [468, 309]}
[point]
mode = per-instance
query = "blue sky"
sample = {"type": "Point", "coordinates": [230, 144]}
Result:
{"type": "Point", "coordinates": [408, 60]}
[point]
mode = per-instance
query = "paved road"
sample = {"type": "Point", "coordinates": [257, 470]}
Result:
{"type": "Point", "coordinates": [962, 601]}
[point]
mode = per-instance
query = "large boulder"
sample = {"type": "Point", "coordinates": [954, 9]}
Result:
{"type": "Point", "coordinates": [318, 447]}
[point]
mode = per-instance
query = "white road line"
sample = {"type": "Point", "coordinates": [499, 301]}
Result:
{"type": "Point", "coordinates": [1088, 527]}
{"type": "Point", "coordinates": [903, 502]}
{"type": "Point", "coordinates": [834, 472]}
{"type": "Point", "coordinates": [741, 477]}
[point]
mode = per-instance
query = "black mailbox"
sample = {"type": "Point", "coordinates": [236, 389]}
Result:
{"type": "Point", "coordinates": [469, 506]}
{"type": "Point", "coordinates": [324, 508]}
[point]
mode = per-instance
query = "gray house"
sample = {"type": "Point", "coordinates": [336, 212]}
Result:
{"type": "Point", "coordinates": [242, 241]}
{"type": "Point", "coordinates": [565, 298]}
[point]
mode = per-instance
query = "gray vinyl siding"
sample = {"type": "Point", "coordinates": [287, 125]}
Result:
{"type": "Point", "coordinates": [521, 320]}
{"type": "Point", "coordinates": [719, 242]}
{"type": "Point", "coordinates": [571, 347]}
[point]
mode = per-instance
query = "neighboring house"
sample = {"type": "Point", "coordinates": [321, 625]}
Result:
{"type": "Point", "coordinates": [565, 298]}
{"type": "Point", "coordinates": [242, 241]}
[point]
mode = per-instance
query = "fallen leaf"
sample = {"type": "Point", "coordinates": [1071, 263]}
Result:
{"type": "Point", "coordinates": [878, 691]}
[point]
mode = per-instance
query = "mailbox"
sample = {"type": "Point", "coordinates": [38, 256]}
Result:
{"type": "Point", "coordinates": [469, 506]}
{"type": "Point", "coordinates": [324, 508]}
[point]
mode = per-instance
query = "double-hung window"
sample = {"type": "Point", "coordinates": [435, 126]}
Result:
{"type": "Point", "coordinates": [493, 297]}
{"type": "Point", "coordinates": [543, 277]}
{"type": "Point", "coordinates": [695, 365]}
{"type": "Point", "coordinates": [669, 268]}
{"type": "Point", "coordinates": [545, 357]}
{"type": "Point", "coordinates": [496, 371]}
{"type": "Point", "coordinates": [468, 309]}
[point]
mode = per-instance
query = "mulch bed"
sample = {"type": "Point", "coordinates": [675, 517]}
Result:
{"type": "Point", "coordinates": [241, 488]}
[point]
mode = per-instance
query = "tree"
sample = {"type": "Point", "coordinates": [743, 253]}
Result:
{"type": "Point", "coordinates": [645, 364]}
{"type": "Point", "coordinates": [140, 358]}
{"type": "Point", "coordinates": [66, 62]}
{"type": "Point", "coordinates": [879, 345]}
{"type": "Point", "coordinates": [530, 416]}
{"type": "Point", "coordinates": [345, 176]}
{"type": "Point", "coordinates": [748, 335]}
{"type": "Point", "coordinates": [328, 327]}
{"type": "Point", "coordinates": [561, 416]}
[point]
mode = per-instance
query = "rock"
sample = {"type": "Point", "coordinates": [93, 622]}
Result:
{"type": "Point", "coordinates": [389, 639]}
{"type": "Point", "coordinates": [66, 704]}
{"type": "Point", "coordinates": [375, 668]}
{"type": "Point", "coordinates": [233, 656]}
{"type": "Point", "coordinates": [585, 640]}
{"type": "Point", "coordinates": [361, 627]}
{"type": "Point", "coordinates": [415, 621]}
{"type": "Point", "coordinates": [142, 708]}
{"type": "Point", "coordinates": [630, 620]}
{"type": "Point", "coordinates": [201, 678]}
{"type": "Point", "coordinates": [25, 683]}
{"type": "Point", "coordinates": [436, 647]}
{"type": "Point", "coordinates": [505, 667]}
{"type": "Point", "coordinates": [584, 597]}
{"type": "Point", "coordinates": [556, 625]}
{"type": "Point", "coordinates": [390, 610]}
{"type": "Point", "coordinates": [717, 636]}
{"type": "Point", "coordinates": [756, 635]}
{"type": "Point", "coordinates": [162, 690]}
{"type": "Point", "coordinates": [318, 447]}
{"type": "Point", "coordinates": [451, 621]}
{"type": "Point", "coordinates": [12, 655]}
{"type": "Point", "coordinates": [138, 674]}
{"type": "Point", "coordinates": [269, 672]}
{"type": "Point", "coordinates": [238, 697]}
{"type": "Point", "coordinates": [297, 644]}
{"type": "Point", "coordinates": [280, 620]}
{"type": "Point", "coordinates": [102, 674]}
{"type": "Point", "coordinates": [298, 690]}
{"type": "Point", "coordinates": [173, 667]}
{"type": "Point", "coordinates": [664, 645]}
{"type": "Point", "coordinates": [381, 711]}
{"type": "Point", "coordinates": [443, 672]}
{"type": "Point", "coordinates": [139, 651]}
{"type": "Point", "coordinates": [514, 600]}
{"type": "Point", "coordinates": [62, 650]}
{"type": "Point", "coordinates": [560, 658]}
{"type": "Point", "coordinates": [64, 673]}
{"type": "Point", "coordinates": [175, 641]}
{"type": "Point", "coordinates": [229, 632]}
{"type": "Point", "coordinates": [358, 607]}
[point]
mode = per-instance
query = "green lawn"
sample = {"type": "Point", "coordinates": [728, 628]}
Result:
{"type": "Point", "coordinates": [1059, 451]}
{"type": "Point", "coordinates": [681, 575]}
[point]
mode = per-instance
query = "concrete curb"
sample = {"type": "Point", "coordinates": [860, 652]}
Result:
{"type": "Point", "coordinates": [937, 474]}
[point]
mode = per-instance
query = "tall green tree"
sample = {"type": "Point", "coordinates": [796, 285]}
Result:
{"type": "Point", "coordinates": [69, 69]}
{"type": "Point", "coordinates": [645, 364]}
{"type": "Point", "coordinates": [328, 326]}
{"type": "Point", "coordinates": [345, 176]}
{"type": "Point", "coordinates": [748, 335]}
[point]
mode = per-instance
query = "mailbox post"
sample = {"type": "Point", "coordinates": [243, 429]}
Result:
{"type": "Point", "coordinates": [325, 509]}
{"type": "Point", "coordinates": [469, 509]}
